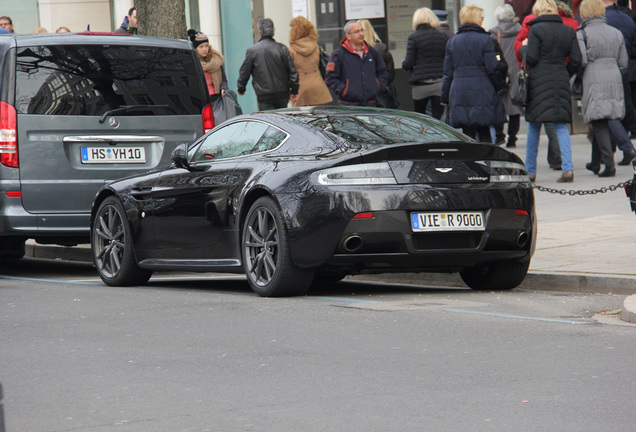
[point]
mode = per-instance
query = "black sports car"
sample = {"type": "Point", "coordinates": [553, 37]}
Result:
{"type": "Point", "coordinates": [630, 189]}
{"type": "Point", "coordinates": [292, 196]}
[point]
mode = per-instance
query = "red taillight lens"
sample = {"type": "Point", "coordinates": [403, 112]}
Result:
{"type": "Point", "coordinates": [208, 118]}
{"type": "Point", "coordinates": [367, 215]}
{"type": "Point", "coordinates": [520, 212]}
{"type": "Point", "coordinates": [8, 136]}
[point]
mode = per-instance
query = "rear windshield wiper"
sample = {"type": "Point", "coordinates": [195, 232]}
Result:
{"type": "Point", "coordinates": [123, 108]}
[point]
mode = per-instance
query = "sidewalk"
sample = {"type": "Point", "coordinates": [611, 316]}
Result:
{"type": "Point", "coordinates": [585, 243]}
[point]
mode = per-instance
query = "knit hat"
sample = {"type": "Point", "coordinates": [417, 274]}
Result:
{"type": "Point", "coordinates": [266, 27]}
{"type": "Point", "coordinates": [197, 38]}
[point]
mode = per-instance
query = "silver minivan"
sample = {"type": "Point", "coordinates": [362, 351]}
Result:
{"type": "Point", "coordinates": [79, 110]}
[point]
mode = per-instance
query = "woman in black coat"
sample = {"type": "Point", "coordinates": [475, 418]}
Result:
{"type": "Point", "coordinates": [425, 51]}
{"type": "Point", "coordinates": [552, 54]}
{"type": "Point", "coordinates": [470, 70]}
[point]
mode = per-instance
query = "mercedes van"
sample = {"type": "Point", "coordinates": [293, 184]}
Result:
{"type": "Point", "coordinates": [80, 110]}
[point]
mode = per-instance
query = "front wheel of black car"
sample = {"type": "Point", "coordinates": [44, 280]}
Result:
{"type": "Point", "coordinates": [502, 275]}
{"type": "Point", "coordinates": [111, 242]}
{"type": "Point", "coordinates": [266, 256]}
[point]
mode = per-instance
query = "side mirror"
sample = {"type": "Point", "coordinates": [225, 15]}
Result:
{"type": "Point", "coordinates": [180, 156]}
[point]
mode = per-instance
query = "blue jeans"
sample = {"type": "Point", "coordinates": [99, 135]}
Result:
{"type": "Point", "coordinates": [532, 146]}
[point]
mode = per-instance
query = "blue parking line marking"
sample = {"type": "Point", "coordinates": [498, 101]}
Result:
{"type": "Point", "coordinates": [496, 315]}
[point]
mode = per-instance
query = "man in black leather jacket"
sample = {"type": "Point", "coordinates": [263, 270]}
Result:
{"type": "Point", "coordinates": [274, 75]}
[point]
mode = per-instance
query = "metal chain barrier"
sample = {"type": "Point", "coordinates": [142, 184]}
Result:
{"type": "Point", "coordinates": [583, 192]}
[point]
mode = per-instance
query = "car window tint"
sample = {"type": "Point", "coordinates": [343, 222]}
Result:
{"type": "Point", "coordinates": [385, 129]}
{"type": "Point", "coordinates": [89, 80]}
{"type": "Point", "coordinates": [236, 139]}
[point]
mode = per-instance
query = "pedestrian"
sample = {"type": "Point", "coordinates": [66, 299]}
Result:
{"type": "Point", "coordinates": [425, 53]}
{"type": "Point", "coordinates": [505, 33]}
{"type": "Point", "coordinates": [627, 27]}
{"type": "Point", "coordinates": [129, 25]}
{"type": "Point", "coordinates": [7, 23]}
{"type": "Point", "coordinates": [40, 30]}
{"type": "Point", "coordinates": [356, 71]}
{"type": "Point", "coordinates": [522, 8]}
{"type": "Point", "coordinates": [4, 31]}
{"type": "Point", "coordinates": [470, 73]}
{"type": "Point", "coordinates": [548, 46]}
{"type": "Point", "coordinates": [274, 76]}
{"type": "Point", "coordinates": [388, 96]}
{"type": "Point", "coordinates": [554, 149]}
{"type": "Point", "coordinates": [211, 62]}
{"type": "Point", "coordinates": [444, 27]}
{"type": "Point", "coordinates": [305, 52]}
{"type": "Point", "coordinates": [63, 29]}
{"type": "Point", "coordinates": [604, 61]}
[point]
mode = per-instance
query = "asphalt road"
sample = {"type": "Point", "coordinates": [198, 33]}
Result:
{"type": "Point", "coordinates": [193, 354]}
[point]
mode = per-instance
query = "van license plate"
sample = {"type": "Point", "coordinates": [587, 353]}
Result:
{"type": "Point", "coordinates": [97, 155]}
{"type": "Point", "coordinates": [447, 221]}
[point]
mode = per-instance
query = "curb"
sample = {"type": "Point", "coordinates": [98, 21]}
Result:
{"type": "Point", "coordinates": [571, 282]}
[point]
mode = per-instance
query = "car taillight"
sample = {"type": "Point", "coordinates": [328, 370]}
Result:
{"type": "Point", "coordinates": [208, 118]}
{"type": "Point", "coordinates": [8, 136]}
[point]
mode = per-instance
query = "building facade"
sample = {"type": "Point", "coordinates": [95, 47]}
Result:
{"type": "Point", "coordinates": [231, 24]}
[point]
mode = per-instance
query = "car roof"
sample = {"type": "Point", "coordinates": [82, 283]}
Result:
{"type": "Point", "coordinates": [90, 38]}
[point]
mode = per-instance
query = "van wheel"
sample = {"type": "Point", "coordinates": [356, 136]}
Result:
{"type": "Point", "coordinates": [111, 244]}
{"type": "Point", "coordinates": [12, 248]}
{"type": "Point", "coordinates": [266, 256]}
{"type": "Point", "coordinates": [502, 275]}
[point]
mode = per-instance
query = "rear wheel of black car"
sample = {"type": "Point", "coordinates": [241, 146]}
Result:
{"type": "Point", "coordinates": [111, 242]}
{"type": "Point", "coordinates": [502, 275]}
{"type": "Point", "coordinates": [266, 256]}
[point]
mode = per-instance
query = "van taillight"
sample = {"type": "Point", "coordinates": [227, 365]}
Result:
{"type": "Point", "coordinates": [208, 118]}
{"type": "Point", "coordinates": [8, 136]}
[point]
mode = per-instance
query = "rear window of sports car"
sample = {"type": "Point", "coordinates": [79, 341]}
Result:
{"type": "Point", "coordinates": [88, 80]}
{"type": "Point", "coordinates": [382, 129]}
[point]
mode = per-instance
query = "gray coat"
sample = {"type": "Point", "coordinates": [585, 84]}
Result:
{"type": "Point", "coordinates": [507, 35]}
{"type": "Point", "coordinates": [604, 60]}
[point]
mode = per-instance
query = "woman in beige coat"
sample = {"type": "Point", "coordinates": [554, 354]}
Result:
{"type": "Point", "coordinates": [304, 49]}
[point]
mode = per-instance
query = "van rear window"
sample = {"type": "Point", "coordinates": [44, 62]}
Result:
{"type": "Point", "coordinates": [88, 80]}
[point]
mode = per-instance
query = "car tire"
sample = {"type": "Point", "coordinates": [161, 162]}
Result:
{"type": "Point", "coordinates": [502, 275]}
{"type": "Point", "coordinates": [266, 255]}
{"type": "Point", "coordinates": [112, 249]}
{"type": "Point", "coordinates": [12, 248]}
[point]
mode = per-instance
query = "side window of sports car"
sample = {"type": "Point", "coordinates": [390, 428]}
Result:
{"type": "Point", "coordinates": [236, 139]}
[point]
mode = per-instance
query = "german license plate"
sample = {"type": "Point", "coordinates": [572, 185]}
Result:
{"type": "Point", "coordinates": [447, 221]}
{"type": "Point", "coordinates": [117, 154]}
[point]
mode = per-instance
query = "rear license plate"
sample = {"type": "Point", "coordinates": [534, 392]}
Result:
{"type": "Point", "coordinates": [447, 221]}
{"type": "Point", "coordinates": [97, 155]}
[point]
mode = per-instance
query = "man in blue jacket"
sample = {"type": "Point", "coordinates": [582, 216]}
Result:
{"type": "Point", "coordinates": [356, 71]}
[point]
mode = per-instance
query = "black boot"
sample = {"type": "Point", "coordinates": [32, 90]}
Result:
{"type": "Point", "coordinates": [609, 171]}
{"type": "Point", "coordinates": [592, 167]}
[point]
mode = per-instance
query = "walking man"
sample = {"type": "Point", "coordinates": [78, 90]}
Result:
{"type": "Point", "coordinates": [130, 23]}
{"type": "Point", "coordinates": [274, 76]}
{"type": "Point", "coordinates": [356, 71]}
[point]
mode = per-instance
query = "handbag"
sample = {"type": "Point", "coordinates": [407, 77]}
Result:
{"type": "Point", "coordinates": [224, 108]}
{"type": "Point", "coordinates": [500, 77]}
{"type": "Point", "coordinates": [577, 86]}
{"type": "Point", "coordinates": [519, 86]}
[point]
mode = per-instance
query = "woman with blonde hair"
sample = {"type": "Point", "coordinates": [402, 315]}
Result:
{"type": "Point", "coordinates": [604, 61]}
{"type": "Point", "coordinates": [372, 38]}
{"type": "Point", "coordinates": [212, 63]}
{"type": "Point", "coordinates": [471, 69]}
{"type": "Point", "coordinates": [549, 45]}
{"type": "Point", "coordinates": [425, 52]}
{"type": "Point", "coordinates": [305, 52]}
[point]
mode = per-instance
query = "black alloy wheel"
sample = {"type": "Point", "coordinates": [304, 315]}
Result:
{"type": "Point", "coordinates": [112, 248]}
{"type": "Point", "coordinates": [266, 256]}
